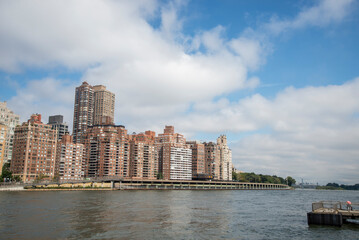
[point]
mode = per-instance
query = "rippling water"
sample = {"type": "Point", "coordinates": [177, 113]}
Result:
{"type": "Point", "coordinates": [168, 215]}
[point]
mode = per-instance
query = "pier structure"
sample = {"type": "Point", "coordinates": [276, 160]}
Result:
{"type": "Point", "coordinates": [332, 213]}
{"type": "Point", "coordinates": [129, 184]}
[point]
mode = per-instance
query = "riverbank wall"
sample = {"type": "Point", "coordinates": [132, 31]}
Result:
{"type": "Point", "coordinates": [157, 185]}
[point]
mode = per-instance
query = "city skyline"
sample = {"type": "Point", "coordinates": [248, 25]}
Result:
{"type": "Point", "coordinates": [279, 79]}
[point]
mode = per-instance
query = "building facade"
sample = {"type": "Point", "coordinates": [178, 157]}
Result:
{"type": "Point", "coordinates": [104, 104]}
{"type": "Point", "coordinates": [198, 159]}
{"type": "Point", "coordinates": [3, 132]}
{"type": "Point", "coordinates": [212, 160]}
{"type": "Point", "coordinates": [34, 150]}
{"type": "Point", "coordinates": [92, 104]}
{"type": "Point", "coordinates": [143, 156]}
{"type": "Point", "coordinates": [107, 151]}
{"type": "Point", "coordinates": [11, 120]}
{"type": "Point", "coordinates": [225, 154]}
{"type": "Point", "coordinates": [57, 123]}
{"type": "Point", "coordinates": [69, 159]}
{"type": "Point", "coordinates": [181, 162]}
{"type": "Point", "coordinates": [83, 111]}
{"type": "Point", "coordinates": [174, 155]}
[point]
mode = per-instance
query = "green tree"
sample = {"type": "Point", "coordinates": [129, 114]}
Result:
{"type": "Point", "coordinates": [159, 175]}
{"type": "Point", "coordinates": [56, 178]}
{"type": "Point", "coordinates": [290, 181]}
{"type": "Point", "coordinates": [40, 177]}
{"type": "Point", "coordinates": [17, 178]}
{"type": "Point", "coordinates": [235, 176]}
{"type": "Point", "coordinates": [6, 173]}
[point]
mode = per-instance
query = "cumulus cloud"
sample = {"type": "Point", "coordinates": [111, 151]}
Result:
{"type": "Point", "coordinates": [326, 12]}
{"type": "Point", "coordinates": [311, 133]}
{"type": "Point", "coordinates": [150, 70]}
{"type": "Point", "coordinates": [47, 96]}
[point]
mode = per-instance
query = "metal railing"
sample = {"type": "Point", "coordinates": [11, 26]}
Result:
{"type": "Point", "coordinates": [334, 205]}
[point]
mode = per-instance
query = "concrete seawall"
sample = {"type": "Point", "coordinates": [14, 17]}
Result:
{"type": "Point", "coordinates": [12, 188]}
{"type": "Point", "coordinates": [158, 185]}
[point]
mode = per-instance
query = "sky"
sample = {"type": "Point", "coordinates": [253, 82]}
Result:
{"type": "Point", "coordinates": [279, 78]}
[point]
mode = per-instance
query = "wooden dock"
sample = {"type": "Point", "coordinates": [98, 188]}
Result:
{"type": "Point", "coordinates": [332, 213]}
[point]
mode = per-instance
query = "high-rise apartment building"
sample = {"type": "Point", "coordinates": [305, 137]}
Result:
{"type": "Point", "coordinates": [143, 156]}
{"type": "Point", "coordinates": [3, 131]}
{"type": "Point", "coordinates": [212, 160]}
{"type": "Point", "coordinates": [57, 123]}
{"type": "Point", "coordinates": [69, 159]}
{"type": "Point", "coordinates": [181, 162]}
{"type": "Point", "coordinates": [225, 167]}
{"type": "Point", "coordinates": [92, 104]}
{"type": "Point", "coordinates": [83, 111]}
{"type": "Point", "coordinates": [104, 104]}
{"type": "Point", "coordinates": [107, 151]}
{"type": "Point", "coordinates": [198, 159]}
{"type": "Point", "coordinates": [11, 120]}
{"type": "Point", "coordinates": [174, 155]}
{"type": "Point", "coordinates": [34, 150]}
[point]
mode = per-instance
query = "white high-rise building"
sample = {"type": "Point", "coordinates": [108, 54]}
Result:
{"type": "Point", "coordinates": [181, 163]}
{"type": "Point", "coordinates": [11, 120]}
{"type": "Point", "coordinates": [225, 159]}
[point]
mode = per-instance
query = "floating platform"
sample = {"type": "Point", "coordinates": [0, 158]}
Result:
{"type": "Point", "coordinates": [332, 213]}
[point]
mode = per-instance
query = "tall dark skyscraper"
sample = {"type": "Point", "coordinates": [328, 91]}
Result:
{"type": "Point", "coordinates": [83, 111]}
{"type": "Point", "coordinates": [93, 106]}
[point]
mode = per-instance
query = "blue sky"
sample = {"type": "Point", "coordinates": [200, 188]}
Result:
{"type": "Point", "coordinates": [280, 78]}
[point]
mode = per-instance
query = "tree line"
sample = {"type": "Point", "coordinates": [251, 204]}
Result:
{"type": "Point", "coordinates": [336, 186]}
{"type": "Point", "coordinates": [260, 178]}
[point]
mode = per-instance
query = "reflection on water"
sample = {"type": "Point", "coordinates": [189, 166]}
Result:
{"type": "Point", "coordinates": [167, 215]}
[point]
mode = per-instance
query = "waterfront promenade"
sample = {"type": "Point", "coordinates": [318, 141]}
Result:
{"type": "Point", "coordinates": [123, 184]}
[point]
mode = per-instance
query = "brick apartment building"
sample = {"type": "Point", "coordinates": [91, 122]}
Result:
{"type": "Point", "coordinates": [212, 160]}
{"type": "Point", "coordinates": [107, 151]}
{"type": "Point", "coordinates": [174, 155]}
{"type": "Point", "coordinates": [198, 159]}
{"type": "Point", "coordinates": [92, 103]}
{"type": "Point", "coordinates": [70, 163]}
{"type": "Point", "coordinates": [34, 150]}
{"type": "Point", "coordinates": [143, 156]}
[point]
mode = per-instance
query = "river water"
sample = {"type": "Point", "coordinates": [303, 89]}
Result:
{"type": "Point", "coordinates": [215, 214]}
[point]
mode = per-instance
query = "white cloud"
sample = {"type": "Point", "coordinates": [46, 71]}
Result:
{"type": "Point", "coordinates": [326, 12]}
{"type": "Point", "coordinates": [45, 96]}
{"type": "Point", "coordinates": [249, 50]}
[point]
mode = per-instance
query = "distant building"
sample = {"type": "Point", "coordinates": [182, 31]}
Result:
{"type": "Point", "coordinates": [3, 131]}
{"type": "Point", "coordinates": [107, 151]}
{"type": "Point", "coordinates": [92, 104]}
{"type": "Point", "coordinates": [69, 159]}
{"type": "Point", "coordinates": [11, 120]}
{"type": "Point", "coordinates": [34, 150]}
{"type": "Point", "coordinates": [104, 104]}
{"type": "Point", "coordinates": [225, 165]}
{"type": "Point", "coordinates": [198, 159]}
{"type": "Point", "coordinates": [57, 123]}
{"type": "Point", "coordinates": [174, 155]}
{"type": "Point", "coordinates": [181, 162]}
{"type": "Point", "coordinates": [212, 160]}
{"type": "Point", "coordinates": [83, 111]}
{"type": "Point", "coordinates": [143, 156]}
